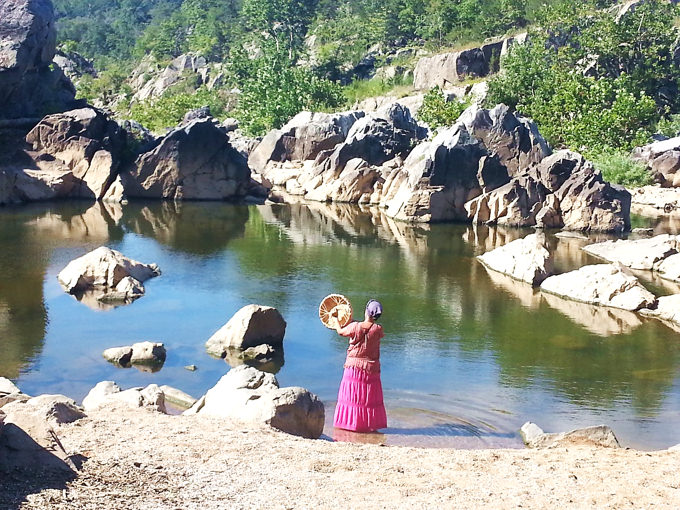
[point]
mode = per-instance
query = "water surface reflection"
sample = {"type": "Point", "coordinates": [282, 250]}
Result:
{"type": "Point", "coordinates": [464, 347]}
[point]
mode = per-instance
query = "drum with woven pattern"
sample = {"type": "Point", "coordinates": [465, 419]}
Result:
{"type": "Point", "coordinates": [335, 306]}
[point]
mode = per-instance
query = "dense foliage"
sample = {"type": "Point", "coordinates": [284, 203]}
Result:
{"type": "Point", "coordinates": [591, 81]}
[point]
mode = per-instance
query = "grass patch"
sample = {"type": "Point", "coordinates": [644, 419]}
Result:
{"type": "Point", "coordinates": [619, 168]}
{"type": "Point", "coordinates": [359, 90]}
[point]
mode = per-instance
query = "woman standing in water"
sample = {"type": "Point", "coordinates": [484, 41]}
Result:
{"type": "Point", "coordinates": [360, 405]}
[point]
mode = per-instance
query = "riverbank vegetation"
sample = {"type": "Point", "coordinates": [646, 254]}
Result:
{"type": "Point", "coordinates": [593, 80]}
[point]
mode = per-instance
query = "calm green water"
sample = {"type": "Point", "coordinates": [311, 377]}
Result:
{"type": "Point", "coordinates": [469, 356]}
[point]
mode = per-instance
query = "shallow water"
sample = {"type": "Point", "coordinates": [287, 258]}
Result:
{"type": "Point", "coordinates": [469, 356]}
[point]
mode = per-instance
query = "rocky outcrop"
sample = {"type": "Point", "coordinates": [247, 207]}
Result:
{"type": "Point", "coordinates": [599, 435]}
{"type": "Point", "coordinates": [602, 284]}
{"type": "Point", "coordinates": [526, 259]}
{"type": "Point", "coordinates": [491, 167]}
{"type": "Point", "coordinates": [667, 310]}
{"type": "Point", "coordinates": [653, 200]}
{"type": "Point", "coordinates": [251, 327]}
{"type": "Point", "coordinates": [108, 273]}
{"type": "Point", "coordinates": [303, 138]}
{"type": "Point", "coordinates": [141, 353]}
{"type": "Point", "coordinates": [149, 81]}
{"type": "Point", "coordinates": [29, 86]}
{"type": "Point", "coordinates": [494, 167]}
{"type": "Point", "coordinates": [447, 69]}
{"type": "Point", "coordinates": [85, 142]}
{"type": "Point", "coordinates": [193, 162]}
{"type": "Point", "coordinates": [662, 159]}
{"type": "Point", "coordinates": [108, 393]}
{"type": "Point", "coordinates": [74, 65]}
{"type": "Point", "coordinates": [248, 395]}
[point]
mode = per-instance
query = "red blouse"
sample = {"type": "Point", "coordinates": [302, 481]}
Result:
{"type": "Point", "coordinates": [364, 346]}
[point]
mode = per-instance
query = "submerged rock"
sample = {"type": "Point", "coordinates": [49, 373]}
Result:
{"type": "Point", "coordinates": [177, 398]}
{"type": "Point", "coordinates": [602, 284]}
{"type": "Point", "coordinates": [252, 326]}
{"type": "Point", "coordinates": [248, 395]}
{"type": "Point", "coordinates": [525, 259]}
{"type": "Point", "coordinates": [599, 435]}
{"type": "Point", "coordinates": [107, 271]}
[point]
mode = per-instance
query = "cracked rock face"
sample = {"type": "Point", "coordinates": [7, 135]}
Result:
{"type": "Point", "coordinates": [27, 46]}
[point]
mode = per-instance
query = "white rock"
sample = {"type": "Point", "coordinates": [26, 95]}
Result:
{"type": "Point", "coordinates": [248, 395]}
{"type": "Point", "coordinates": [118, 355]}
{"type": "Point", "coordinates": [109, 393]}
{"type": "Point", "coordinates": [601, 284]}
{"type": "Point", "coordinates": [669, 268]}
{"type": "Point", "coordinates": [638, 253]}
{"type": "Point", "coordinates": [105, 268]}
{"type": "Point", "coordinates": [55, 409]}
{"type": "Point", "coordinates": [530, 432]}
{"type": "Point", "coordinates": [7, 386]}
{"type": "Point", "coordinates": [525, 259]}
{"type": "Point", "coordinates": [251, 326]}
{"type": "Point", "coordinates": [667, 309]}
{"type": "Point", "coordinates": [675, 448]}
{"type": "Point", "coordinates": [148, 352]}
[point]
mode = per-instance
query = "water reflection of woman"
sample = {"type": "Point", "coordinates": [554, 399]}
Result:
{"type": "Point", "coordinates": [360, 405]}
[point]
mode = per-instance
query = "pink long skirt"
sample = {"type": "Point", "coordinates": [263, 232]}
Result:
{"type": "Point", "coordinates": [360, 405]}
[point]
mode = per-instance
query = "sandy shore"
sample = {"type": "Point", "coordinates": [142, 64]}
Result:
{"type": "Point", "coordinates": [140, 459]}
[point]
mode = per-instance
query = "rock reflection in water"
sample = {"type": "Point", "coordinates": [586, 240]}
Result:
{"type": "Point", "coordinates": [271, 364]}
{"type": "Point", "coordinates": [202, 228]}
{"type": "Point", "coordinates": [525, 293]}
{"type": "Point", "coordinates": [601, 320]}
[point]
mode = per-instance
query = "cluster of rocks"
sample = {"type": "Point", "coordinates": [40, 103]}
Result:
{"type": "Point", "coordinates": [149, 81]}
{"type": "Point", "coordinates": [491, 167]}
{"type": "Point", "coordinates": [612, 285]}
{"type": "Point", "coordinates": [107, 276]}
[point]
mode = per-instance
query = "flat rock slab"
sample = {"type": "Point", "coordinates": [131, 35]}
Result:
{"type": "Point", "coordinates": [667, 309]}
{"type": "Point", "coordinates": [525, 259]}
{"type": "Point", "coordinates": [601, 284]}
{"type": "Point", "coordinates": [636, 254]}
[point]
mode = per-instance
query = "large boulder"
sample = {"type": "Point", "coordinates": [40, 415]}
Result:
{"type": "Point", "coordinates": [527, 259]}
{"type": "Point", "coordinates": [193, 162]}
{"type": "Point", "coordinates": [601, 284]}
{"type": "Point", "coordinates": [108, 393]}
{"type": "Point", "coordinates": [106, 271]}
{"type": "Point", "coordinates": [84, 141]}
{"type": "Point", "coordinates": [637, 253]}
{"type": "Point", "coordinates": [29, 86]}
{"type": "Point", "coordinates": [248, 395]}
{"type": "Point", "coordinates": [599, 435]}
{"type": "Point", "coordinates": [252, 326]}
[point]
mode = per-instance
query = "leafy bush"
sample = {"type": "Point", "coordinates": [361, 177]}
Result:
{"type": "Point", "coordinates": [619, 168]}
{"type": "Point", "coordinates": [169, 109]}
{"type": "Point", "coordinates": [599, 88]}
{"type": "Point", "coordinates": [276, 91]}
{"type": "Point", "coordinates": [438, 112]}
{"type": "Point", "coordinates": [669, 126]}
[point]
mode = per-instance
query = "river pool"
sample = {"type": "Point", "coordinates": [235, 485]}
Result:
{"type": "Point", "coordinates": [468, 357]}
